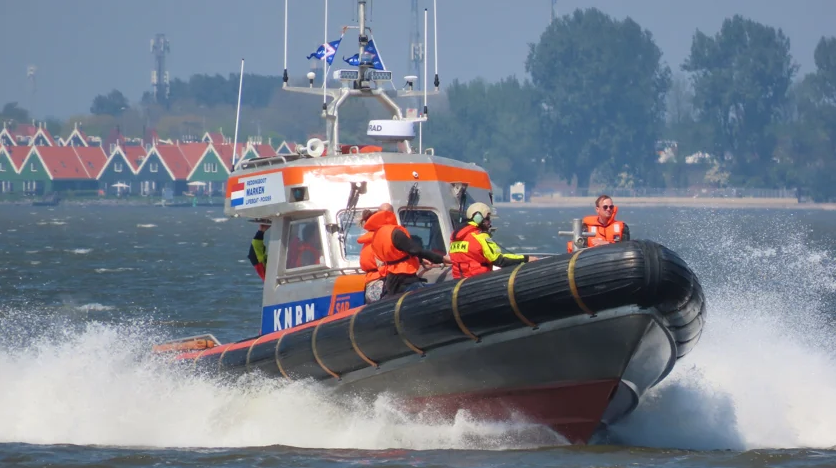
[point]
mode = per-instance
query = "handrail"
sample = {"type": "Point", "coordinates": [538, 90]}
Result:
{"type": "Point", "coordinates": [304, 276]}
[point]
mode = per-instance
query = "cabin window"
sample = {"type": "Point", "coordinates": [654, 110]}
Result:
{"type": "Point", "coordinates": [154, 167]}
{"type": "Point", "coordinates": [351, 249]}
{"type": "Point", "coordinates": [117, 167]}
{"type": "Point", "coordinates": [304, 244]}
{"type": "Point", "coordinates": [457, 219]}
{"type": "Point", "coordinates": [424, 226]}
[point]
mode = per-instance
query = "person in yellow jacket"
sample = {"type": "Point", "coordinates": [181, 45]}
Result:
{"type": "Point", "coordinates": [472, 250]}
{"type": "Point", "coordinates": [258, 251]}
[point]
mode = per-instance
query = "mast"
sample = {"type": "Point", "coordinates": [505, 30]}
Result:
{"type": "Point", "coordinates": [365, 81]}
{"type": "Point", "coordinates": [363, 40]}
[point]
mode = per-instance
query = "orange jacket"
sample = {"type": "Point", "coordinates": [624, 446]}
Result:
{"type": "Point", "coordinates": [396, 261]}
{"type": "Point", "coordinates": [300, 250]}
{"type": "Point", "coordinates": [609, 233]}
{"type": "Point", "coordinates": [368, 262]}
{"type": "Point", "coordinates": [467, 254]}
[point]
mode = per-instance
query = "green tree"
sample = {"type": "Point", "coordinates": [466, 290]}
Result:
{"type": "Point", "coordinates": [741, 77]}
{"type": "Point", "coordinates": [815, 129]}
{"type": "Point", "coordinates": [11, 111]}
{"type": "Point", "coordinates": [602, 87]}
{"type": "Point", "coordinates": [492, 125]}
{"type": "Point", "coordinates": [54, 126]}
{"type": "Point", "coordinates": [114, 103]}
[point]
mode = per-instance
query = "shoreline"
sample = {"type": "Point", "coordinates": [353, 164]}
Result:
{"type": "Point", "coordinates": [535, 202]}
{"type": "Point", "coordinates": [730, 203]}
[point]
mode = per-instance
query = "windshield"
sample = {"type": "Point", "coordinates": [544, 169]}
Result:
{"type": "Point", "coordinates": [424, 227]}
{"type": "Point", "coordinates": [351, 249]}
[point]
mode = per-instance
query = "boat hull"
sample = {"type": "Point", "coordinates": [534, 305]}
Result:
{"type": "Point", "coordinates": [570, 342]}
{"type": "Point", "coordinates": [563, 375]}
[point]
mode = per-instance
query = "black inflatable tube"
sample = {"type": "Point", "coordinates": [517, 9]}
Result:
{"type": "Point", "coordinates": [638, 273]}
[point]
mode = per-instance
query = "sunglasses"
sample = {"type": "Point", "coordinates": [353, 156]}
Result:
{"type": "Point", "coordinates": [607, 207]}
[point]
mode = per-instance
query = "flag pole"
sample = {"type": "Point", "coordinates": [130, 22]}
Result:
{"type": "Point", "coordinates": [237, 115]}
{"type": "Point", "coordinates": [325, 65]}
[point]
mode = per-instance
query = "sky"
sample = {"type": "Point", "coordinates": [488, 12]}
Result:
{"type": "Point", "coordinates": [82, 48]}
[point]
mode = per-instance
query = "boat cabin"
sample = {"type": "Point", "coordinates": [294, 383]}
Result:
{"type": "Point", "coordinates": [315, 205]}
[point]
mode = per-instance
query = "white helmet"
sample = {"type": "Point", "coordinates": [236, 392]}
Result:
{"type": "Point", "coordinates": [478, 212]}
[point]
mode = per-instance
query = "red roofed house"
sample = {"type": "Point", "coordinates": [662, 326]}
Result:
{"type": "Point", "coordinates": [164, 167]}
{"type": "Point", "coordinates": [56, 168]}
{"type": "Point", "coordinates": [284, 148]}
{"type": "Point", "coordinates": [93, 158]}
{"type": "Point", "coordinates": [42, 137]}
{"type": "Point", "coordinates": [211, 171]}
{"type": "Point", "coordinates": [18, 155]}
{"type": "Point", "coordinates": [121, 168]}
{"type": "Point", "coordinates": [258, 150]}
{"type": "Point", "coordinates": [217, 138]}
{"type": "Point", "coordinates": [113, 139]}
{"type": "Point", "coordinates": [22, 134]}
{"type": "Point", "coordinates": [8, 169]}
{"type": "Point", "coordinates": [77, 138]}
{"type": "Point", "coordinates": [225, 152]}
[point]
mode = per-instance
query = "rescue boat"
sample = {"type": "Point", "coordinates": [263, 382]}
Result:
{"type": "Point", "coordinates": [571, 341]}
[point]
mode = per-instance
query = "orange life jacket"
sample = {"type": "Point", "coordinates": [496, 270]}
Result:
{"type": "Point", "coordinates": [384, 224]}
{"type": "Point", "coordinates": [466, 253]}
{"type": "Point", "coordinates": [368, 262]}
{"type": "Point", "coordinates": [604, 233]}
{"type": "Point", "coordinates": [300, 250]}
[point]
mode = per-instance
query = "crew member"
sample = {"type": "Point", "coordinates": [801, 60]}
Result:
{"type": "Point", "coordinates": [305, 252]}
{"type": "Point", "coordinates": [258, 252]}
{"type": "Point", "coordinates": [394, 247]}
{"type": "Point", "coordinates": [472, 250]}
{"type": "Point", "coordinates": [604, 225]}
{"type": "Point", "coordinates": [369, 263]}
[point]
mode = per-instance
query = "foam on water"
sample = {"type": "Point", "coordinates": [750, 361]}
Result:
{"type": "Point", "coordinates": [96, 384]}
{"type": "Point", "coordinates": [764, 372]}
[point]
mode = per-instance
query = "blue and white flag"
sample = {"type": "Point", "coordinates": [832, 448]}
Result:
{"type": "Point", "coordinates": [327, 51]}
{"type": "Point", "coordinates": [373, 56]}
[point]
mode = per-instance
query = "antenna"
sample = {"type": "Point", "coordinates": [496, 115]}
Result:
{"type": "Point", "coordinates": [421, 124]}
{"type": "Point", "coordinates": [435, 43]}
{"type": "Point", "coordinates": [237, 115]}
{"type": "Point", "coordinates": [284, 76]}
{"type": "Point", "coordinates": [554, 10]}
{"type": "Point", "coordinates": [416, 52]}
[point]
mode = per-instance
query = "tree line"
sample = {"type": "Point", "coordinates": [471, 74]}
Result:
{"type": "Point", "coordinates": [596, 101]}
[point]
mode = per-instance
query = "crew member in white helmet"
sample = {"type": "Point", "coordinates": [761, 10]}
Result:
{"type": "Point", "coordinates": [471, 249]}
